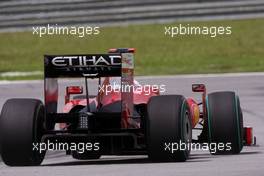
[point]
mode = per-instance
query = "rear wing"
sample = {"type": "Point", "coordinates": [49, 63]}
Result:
{"type": "Point", "coordinates": [91, 66]}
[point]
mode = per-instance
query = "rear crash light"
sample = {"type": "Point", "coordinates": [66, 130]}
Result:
{"type": "Point", "coordinates": [74, 90]}
{"type": "Point", "coordinates": [249, 139]}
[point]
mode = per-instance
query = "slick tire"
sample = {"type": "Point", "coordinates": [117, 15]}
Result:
{"type": "Point", "coordinates": [168, 123]}
{"type": "Point", "coordinates": [21, 125]}
{"type": "Point", "coordinates": [225, 122]}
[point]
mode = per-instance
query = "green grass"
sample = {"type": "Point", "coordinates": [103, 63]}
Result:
{"type": "Point", "coordinates": [242, 51]}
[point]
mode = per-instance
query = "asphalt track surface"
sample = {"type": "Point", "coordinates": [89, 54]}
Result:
{"type": "Point", "coordinates": [250, 88]}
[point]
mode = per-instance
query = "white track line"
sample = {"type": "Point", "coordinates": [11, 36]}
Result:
{"type": "Point", "coordinates": [216, 75]}
{"type": "Point", "coordinates": [188, 76]}
{"type": "Point", "coordinates": [15, 74]}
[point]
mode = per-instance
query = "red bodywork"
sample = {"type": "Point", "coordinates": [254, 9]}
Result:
{"type": "Point", "coordinates": [139, 97]}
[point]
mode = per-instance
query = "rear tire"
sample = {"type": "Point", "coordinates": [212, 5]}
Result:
{"type": "Point", "coordinates": [168, 121]}
{"type": "Point", "coordinates": [225, 122]}
{"type": "Point", "coordinates": [21, 122]}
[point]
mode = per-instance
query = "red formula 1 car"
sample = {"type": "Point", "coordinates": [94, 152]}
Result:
{"type": "Point", "coordinates": [123, 117]}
